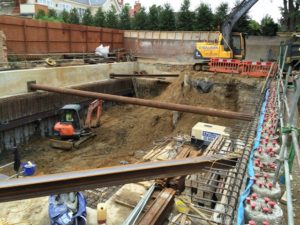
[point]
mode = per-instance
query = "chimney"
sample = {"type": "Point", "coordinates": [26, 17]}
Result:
{"type": "Point", "coordinates": [137, 6]}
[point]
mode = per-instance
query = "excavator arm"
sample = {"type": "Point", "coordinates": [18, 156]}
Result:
{"type": "Point", "coordinates": [97, 104]}
{"type": "Point", "coordinates": [233, 18]}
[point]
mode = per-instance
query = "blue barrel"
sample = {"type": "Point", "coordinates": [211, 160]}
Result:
{"type": "Point", "coordinates": [29, 169]}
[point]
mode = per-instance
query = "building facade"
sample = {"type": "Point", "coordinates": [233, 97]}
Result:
{"type": "Point", "coordinates": [80, 5]}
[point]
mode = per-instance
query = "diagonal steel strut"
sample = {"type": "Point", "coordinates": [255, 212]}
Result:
{"type": "Point", "coordinates": [39, 186]}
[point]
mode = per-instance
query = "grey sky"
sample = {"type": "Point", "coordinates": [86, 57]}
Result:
{"type": "Point", "coordinates": [258, 11]}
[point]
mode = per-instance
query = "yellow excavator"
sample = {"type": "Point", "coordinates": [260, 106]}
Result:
{"type": "Point", "coordinates": [225, 44]}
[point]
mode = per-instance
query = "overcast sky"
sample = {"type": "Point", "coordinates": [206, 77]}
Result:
{"type": "Point", "coordinates": [258, 11]}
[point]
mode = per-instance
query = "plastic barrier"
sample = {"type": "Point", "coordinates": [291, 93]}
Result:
{"type": "Point", "coordinates": [245, 68]}
{"type": "Point", "coordinates": [255, 69]}
{"type": "Point", "coordinates": [225, 65]}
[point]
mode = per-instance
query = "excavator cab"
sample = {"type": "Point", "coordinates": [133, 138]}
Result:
{"type": "Point", "coordinates": [70, 124]}
{"type": "Point", "coordinates": [73, 130]}
{"type": "Point", "coordinates": [238, 45]}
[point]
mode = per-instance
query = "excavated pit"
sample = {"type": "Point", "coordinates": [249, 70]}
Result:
{"type": "Point", "coordinates": [128, 132]}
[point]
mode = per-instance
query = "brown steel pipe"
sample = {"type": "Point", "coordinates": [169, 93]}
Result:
{"type": "Point", "coordinates": [113, 75]}
{"type": "Point", "coordinates": [39, 186]}
{"type": "Point", "coordinates": [145, 102]}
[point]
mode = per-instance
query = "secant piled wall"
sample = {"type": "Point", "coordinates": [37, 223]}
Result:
{"type": "Point", "coordinates": [3, 49]}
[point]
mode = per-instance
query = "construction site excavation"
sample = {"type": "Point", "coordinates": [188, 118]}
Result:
{"type": "Point", "coordinates": [100, 125]}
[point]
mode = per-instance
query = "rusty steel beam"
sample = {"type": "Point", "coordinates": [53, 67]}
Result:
{"type": "Point", "coordinates": [39, 186]}
{"type": "Point", "coordinates": [145, 102]}
{"type": "Point", "coordinates": [114, 75]}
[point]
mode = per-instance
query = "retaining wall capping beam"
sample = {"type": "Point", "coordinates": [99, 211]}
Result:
{"type": "Point", "coordinates": [149, 103]}
{"type": "Point", "coordinates": [32, 187]}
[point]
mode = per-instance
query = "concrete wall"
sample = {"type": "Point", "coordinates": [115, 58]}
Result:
{"type": "Point", "coordinates": [15, 82]}
{"type": "Point", "coordinates": [3, 50]}
{"type": "Point", "coordinates": [180, 45]}
{"type": "Point", "coordinates": [263, 47]}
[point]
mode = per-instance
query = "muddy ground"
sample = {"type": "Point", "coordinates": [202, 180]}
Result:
{"type": "Point", "coordinates": [127, 132]}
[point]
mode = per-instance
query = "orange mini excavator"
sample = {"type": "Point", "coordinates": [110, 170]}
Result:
{"type": "Point", "coordinates": [72, 131]}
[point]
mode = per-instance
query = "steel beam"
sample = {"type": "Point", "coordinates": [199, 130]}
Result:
{"type": "Point", "coordinates": [145, 102]}
{"type": "Point", "coordinates": [39, 186]}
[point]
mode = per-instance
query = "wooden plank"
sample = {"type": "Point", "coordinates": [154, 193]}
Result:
{"type": "Point", "coordinates": [159, 210]}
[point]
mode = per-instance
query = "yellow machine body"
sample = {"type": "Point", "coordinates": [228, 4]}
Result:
{"type": "Point", "coordinates": [212, 45]}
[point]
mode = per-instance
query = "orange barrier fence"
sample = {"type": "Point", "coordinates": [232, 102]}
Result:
{"type": "Point", "coordinates": [29, 36]}
{"type": "Point", "coordinates": [245, 68]}
{"type": "Point", "coordinates": [256, 69]}
{"type": "Point", "coordinates": [224, 65]}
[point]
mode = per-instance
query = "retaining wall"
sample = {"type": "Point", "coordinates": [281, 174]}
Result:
{"type": "Point", "coordinates": [180, 46]}
{"type": "Point", "coordinates": [15, 82]}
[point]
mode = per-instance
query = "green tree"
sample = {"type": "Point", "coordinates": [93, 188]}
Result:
{"type": "Point", "coordinates": [140, 20]}
{"type": "Point", "coordinates": [153, 18]}
{"type": "Point", "coordinates": [254, 28]}
{"type": "Point", "coordinates": [111, 18]}
{"type": "Point", "coordinates": [65, 15]}
{"type": "Point", "coordinates": [74, 17]}
{"type": "Point", "coordinates": [167, 18]}
{"type": "Point", "coordinates": [290, 15]}
{"type": "Point", "coordinates": [125, 19]}
{"type": "Point", "coordinates": [185, 16]}
{"type": "Point", "coordinates": [220, 15]}
{"type": "Point", "coordinates": [87, 18]}
{"type": "Point", "coordinates": [40, 14]}
{"type": "Point", "coordinates": [99, 18]}
{"type": "Point", "coordinates": [268, 26]}
{"type": "Point", "coordinates": [52, 13]}
{"type": "Point", "coordinates": [204, 18]}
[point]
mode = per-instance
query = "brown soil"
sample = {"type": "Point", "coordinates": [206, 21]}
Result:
{"type": "Point", "coordinates": [126, 129]}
